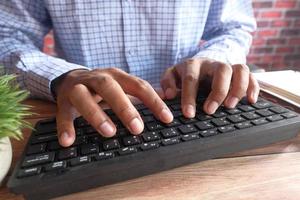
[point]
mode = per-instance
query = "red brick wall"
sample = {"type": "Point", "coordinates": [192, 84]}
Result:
{"type": "Point", "coordinates": [276, 43]}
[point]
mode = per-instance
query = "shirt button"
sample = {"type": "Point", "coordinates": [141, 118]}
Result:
{"type": "Point", "coordinates": [131, 52]}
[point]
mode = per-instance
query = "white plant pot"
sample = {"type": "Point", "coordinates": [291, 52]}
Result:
{"type": "Point", "coordinates": [5, 157]}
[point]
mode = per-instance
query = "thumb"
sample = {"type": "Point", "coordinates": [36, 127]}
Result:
{"type": "Point", "coordinates": [64, 121]}
{"type": "Point", "coordinates": [168, 83]}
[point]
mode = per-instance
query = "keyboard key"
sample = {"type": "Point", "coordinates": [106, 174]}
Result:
{"type": "Point", "coordinates": [177, 113]}
{"type": "Point", "coordinates": [80, 160]}
{"type": "Point", "coordinates": [89, 148]}
{"type": "Point", "coordinates": [278, 110]}
{"type": "Point", "coordinates": [80, 140]}
{"type": "Point", "coordinates": [104, 156]}
{"type": "Point", "coordinates": [264, 112]}
{"type": "Point", "coordinates": [203, 117]}
{"type": "Point", "coordinates": [149, 146]}
{"type": "Point", "coordinates": [38, 159]}
{"type": "Point", "coordinates": [274, 118]}
{"type": "Point", "coordinates": [111, 144]}
{"type": "Point", "coordinates": [208, 133]}
{"type": "Point", "coordinates": [289, 115]}
{"type": "Point", "coordinates": [153, 126]}
{"type": "Point", "coordinates": [187, 120]}
{"type": "Point", "coordinates": [189, 137]}
{"type": "Point", "coordinates": [233, 111]}
{"type": "Point", "coordinates": [220, 122]}
{"type": "Point", "coordinates": [127, 150]}
{"type": "Point", "coordinates": [236, 119]}
{"type": "Point", "coordinates": [131, 140]}
{"type": "Point", "coordinates": [259, 121]}
{"type": "Point", "coordinates": [67, 153]}
{"type": "Point", "coordinates": [43, 138]}
{"type": "Point", "coordinates": [56, 165]}
{"type": "Point", "coordinates": [204, 125]}
{"type": "Point", "coordinates": [53, 146]}
{"type": "Point", "coordinates": [147, 119]}
{"type": "Point", "coordinates": [29, 172]}
{"type": "Point", "coordinates": [225, 129]}
{"type": "Point", "coordinates": [170, 141]}
{"type": "Point", "coordinates": [150, 136]}
{"type": "Point", "coordinates": [146, 112]}
{"type": "Point", "coordinates": [242, 125]}
{"type": "Point", "coordinates": [218, 114]}
{"type": "Point", "coordinates": [250, 115]}
{"type": "Point", "coordinates": [176, 107]}
{"type": "Point", "coordinates": [246, 108]}
{"type": "Point", "coordinates": [37, 148]}
{"type": "Point", "coordinates": [185, 129]}
{"type": "Point", "coordinates": [174, 123]}
{"type": "Point", "coordinates": [262, 104]}
{"type": "Point", "coordinates": [170, 132]}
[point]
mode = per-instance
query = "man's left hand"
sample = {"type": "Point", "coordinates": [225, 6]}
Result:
{"type": "Point", "coordinates": [229, 84]}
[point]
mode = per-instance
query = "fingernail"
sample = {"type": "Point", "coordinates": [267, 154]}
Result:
{"type": "Point", "coordinates": [190, 110]}
{"type": "Point", "coordinates": [232, 101]}
{"type": "Point", "coordinates": [64, 136]}
{"type": "Point", "coordinates": [254, 96]}
{"type": "Point", "coordinates": [212, 107]}
{"type": "Point", "coordinates": [166, 115]}
{"type": "Point", "coordinates": [107, 129]}
{"type": "Point", "coordinates": [136, 126]}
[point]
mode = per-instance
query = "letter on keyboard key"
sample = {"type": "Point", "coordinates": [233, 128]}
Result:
{"type": "Point", "coordinates": [220, 122]}
{"type": "Point", "coordinates": [259, 121]}
{"type": "Point", "coordinates": [274, 118]}
{"type": "Point", "coordinates": [185, 129]}
{"type": "Point", "coordinates": [29, 172]}
{"type": "Point", "coordinates": [150, 136]}
{"type": "Point", "coordinates": [67, 153]}
{"type": "Point", "coordinates": [80, 160]}
{"type": "Point", "coordinates": [242, 125]}
{"type": "Point", "coordinates": [225, 129]}
{"type": "Point", "coordinates": [89, 148]}
{"type": "Point", "coordinates": [38, 159]}
{"type": "Point", "coordinates": [111, 144]}
{"type": "Point", "coordinates": [104, 155]}
{"type": "Point", "coordinates": [131, 140]}
{"type": "Point", "coordinates": [204, 125]}
{"type": "Point", "coordinates": [149, 145]}
{"type": "Point", "coordinates": [208, 133]}
{"type": "Point", "coordinates": [170, 141]}
{"type": "Point", "coordinates": [153, 126]}
{"type": "Point", "coordinates": [170, 132]}
{"type": "Point", "coordinates": [189, 137]}
{"type": "Point", "coordinates": [56, 165]}
{"type": "Point", "coordinates": [127, 150]}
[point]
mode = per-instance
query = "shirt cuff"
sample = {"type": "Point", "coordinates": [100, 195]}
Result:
{"type": "Point", "coordinates": [41, 70]}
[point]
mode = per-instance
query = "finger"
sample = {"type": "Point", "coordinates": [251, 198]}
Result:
{"type": "Point", "coordinates": [113, 94]}
{"type": "Point", "coordinates": [220, 86]}
{"type": "Point", "coordinates": [144, 91]}
{"type": "Point", "coordinates": [64, 123]}
{"type": "Point", "coordinates": [83, 101]}
{"type": "Point", "coordinates": [168, 83]}
{"type": "Point", "coordinates": [190, 84]}
{"type": "Point", "coordinates": [239, 85]}
{"type": "Point", "coordinates": [253, 89]}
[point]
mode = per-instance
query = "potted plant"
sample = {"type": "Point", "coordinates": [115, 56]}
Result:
{"type": "Point", "coordinates": [12, 114]}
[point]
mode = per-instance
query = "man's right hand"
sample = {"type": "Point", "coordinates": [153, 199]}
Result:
{"type": "Point", "coordinates": [81, 90]}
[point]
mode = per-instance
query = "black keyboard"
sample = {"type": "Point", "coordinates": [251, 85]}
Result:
{"type": "Point", "coordinates": [47, 170]}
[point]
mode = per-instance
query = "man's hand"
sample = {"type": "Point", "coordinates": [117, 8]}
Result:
{"type": "Point", "coordinates": [229, 84]}
{"type": "Point", "coordinates": [81, 90]}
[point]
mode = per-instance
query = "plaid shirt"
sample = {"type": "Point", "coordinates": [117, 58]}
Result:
{"type": "Point", "coordinates": [142, 37]}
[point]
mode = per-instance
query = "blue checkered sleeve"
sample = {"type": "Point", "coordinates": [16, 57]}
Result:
{"type": "Point", "coordinates": [226, 36]}
{"type": "Point", "coordinates": [141, 37]}
{"type": "Point", "coordinates": [23, 26]}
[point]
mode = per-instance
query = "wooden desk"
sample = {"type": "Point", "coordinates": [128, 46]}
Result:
{"type": "Point", "coordinates": [271, 173]}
